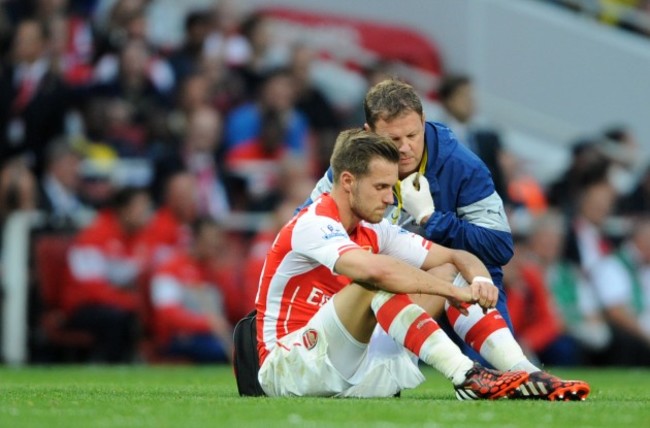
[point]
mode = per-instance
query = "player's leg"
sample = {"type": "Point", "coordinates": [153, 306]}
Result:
{"type": "Point", "coordinates": [489, 335]}
{"type": "Point", "coordinates": [486, 334]}
{"type": "Point", "coordinates": [359, 309]}
{"type": "Point", "coordinates": [302, 364]}
{"type": "Point", "coordinates": [435, 305]}
{"type": "Point", "coordinates": [382, 343]}
{"type": "Point", "coordinates": [324, 359]}
{"type": "Point", "coordinates": [368, 373]}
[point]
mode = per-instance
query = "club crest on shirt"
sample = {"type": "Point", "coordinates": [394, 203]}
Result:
{"type": "Point", "coordinates": [310, 338]}
{"type": "Point", "coordinates": [330, 232]}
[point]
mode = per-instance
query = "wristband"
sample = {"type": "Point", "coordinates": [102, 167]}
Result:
{"type": "Point", "coordinates": [483, 279]}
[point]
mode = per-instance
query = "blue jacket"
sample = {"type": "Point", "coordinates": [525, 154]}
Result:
{"type": "Point", "coordinates": [469, 214]}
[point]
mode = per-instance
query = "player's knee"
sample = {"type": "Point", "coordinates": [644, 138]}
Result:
{"type": "Point", "coordinates": [446, 272]}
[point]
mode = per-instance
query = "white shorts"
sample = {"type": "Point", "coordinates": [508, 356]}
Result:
{"type": "Point", "coordinates": [299, 365]}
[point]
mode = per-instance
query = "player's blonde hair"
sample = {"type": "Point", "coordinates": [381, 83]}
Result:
{"type": "Point", "coordinates": [355, 148]}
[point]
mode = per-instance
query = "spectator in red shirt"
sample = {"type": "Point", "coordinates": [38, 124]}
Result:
{"type": "Point", "coordinates": [535, 316]}
{"type": "Point", "coordinates": [259, 163]}
{"type": "Point", "coordinates": [169, 229]}
{"type": "Point", "coordinates": [189, 316]}
{"type": "Point", "coordinates": [106, 261]}
{"type": "Point", "coordinates": [259, 247]}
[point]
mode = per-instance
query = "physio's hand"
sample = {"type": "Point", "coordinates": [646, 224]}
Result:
{"type": "Point", "coordinates": [416, 197]}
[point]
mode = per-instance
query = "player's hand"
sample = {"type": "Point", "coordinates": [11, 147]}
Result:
{"type": "Point", "coordinates": [462, 301]}
{"type": "Point", "coordinates": [416, 197]}
{"type": "Point", "coordinates": [481, 291]}
{"type": "Point", "coordinates": [484, 293]}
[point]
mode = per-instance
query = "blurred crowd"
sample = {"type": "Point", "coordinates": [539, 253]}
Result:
{"type": "Point", "coordinates": [166, 169]}
{"type": "Point", "coordinates": [628, 15]}
{"type": "Point", "coordinates": [579, 284]}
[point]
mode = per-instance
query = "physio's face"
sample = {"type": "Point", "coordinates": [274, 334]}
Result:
{"type": "Point", "coordinates": [371, 194]}
{"type": "Point", "coordinates": [407, 131]}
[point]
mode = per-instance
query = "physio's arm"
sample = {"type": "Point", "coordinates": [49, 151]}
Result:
{"type": "Point", "coordinates": [490, 241]}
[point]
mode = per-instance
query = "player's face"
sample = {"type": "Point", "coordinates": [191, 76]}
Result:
{"type": "Point", "coordinates": [407, 131]}
{"type": "Point", "coordinates": [372, 194]}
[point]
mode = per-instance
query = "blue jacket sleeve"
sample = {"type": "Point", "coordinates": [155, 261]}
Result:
{"type": "Point", "coordinates": [492, 246]}
{"type": "Point", "coordinates": [324, 185]}
{"type": "Point", "coordinates": [469, 213]}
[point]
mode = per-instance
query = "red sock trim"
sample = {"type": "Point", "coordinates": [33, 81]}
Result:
{"type": "Point", "coordinates": [389, 310]}
{"type": "Point", "coordinates": [419, 331]}
{"type": "Point", "coordinates": [480, 331]}
{"type": "Point", "coordinates": [453, 313]}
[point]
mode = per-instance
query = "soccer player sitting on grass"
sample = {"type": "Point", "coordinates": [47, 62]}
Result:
{"type": "Point", "coordinates": [338, 268]}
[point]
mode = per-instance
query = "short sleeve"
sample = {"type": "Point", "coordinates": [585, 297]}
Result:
{"type": "Point", "coordinates": [321, 239]}
{"type": "Point", "coordinates": [399, 243]}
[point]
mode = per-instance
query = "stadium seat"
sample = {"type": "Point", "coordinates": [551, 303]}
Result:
{"type": "Point", "coordinates": [148, 350]}
{"type": "Point", "coordinates": [51, 270]}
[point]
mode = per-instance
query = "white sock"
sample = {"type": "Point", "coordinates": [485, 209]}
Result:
{"type": "Point", "coordinates": [442, 354]}
{"type": "Point", "coordinates": [502, 351]}
{"type": "Point", "coordinates": [489, 335]}
{"type": "Point", "coordinates": [412, 327]}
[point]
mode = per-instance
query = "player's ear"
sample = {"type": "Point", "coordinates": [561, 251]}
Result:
{"type": "Point", "coordinates": [346, 180]}
{"type": "Point", "coordinates": [366, 127]}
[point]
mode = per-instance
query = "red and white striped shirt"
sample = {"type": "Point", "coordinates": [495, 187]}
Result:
{"type": "Point", "coordinates": [298, 276]}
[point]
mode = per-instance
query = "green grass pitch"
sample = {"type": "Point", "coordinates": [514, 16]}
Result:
{"type": "Point", "coordinates": [182, 396]}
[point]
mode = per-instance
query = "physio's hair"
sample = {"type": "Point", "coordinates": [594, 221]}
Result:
{"type": "Point", "coordinates": [356, 148]}
{"type": "Point", "coordinates": [390, 99]}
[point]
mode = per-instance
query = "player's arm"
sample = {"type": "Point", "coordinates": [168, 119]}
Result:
{"type": "Point", "coordinates": [472, 270]}
{"type": "Point", "coordinates": [395, 276]}
{"type": "Point", "coordinates": [467, 264]}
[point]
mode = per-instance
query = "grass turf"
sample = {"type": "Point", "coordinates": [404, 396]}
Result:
{"type": "Point", "coordinates": [174, 396]}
